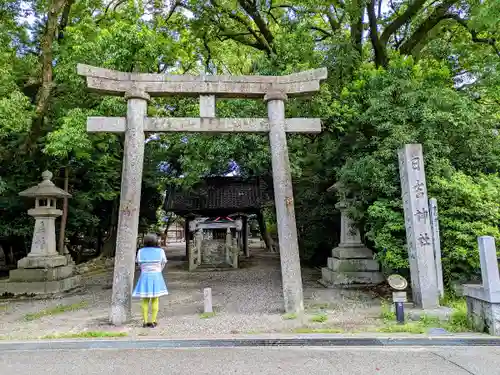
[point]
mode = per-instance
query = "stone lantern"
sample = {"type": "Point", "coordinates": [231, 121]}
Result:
{"type": "Point", "coordinates": [351, 263]}
{"type": "Point", "coordinates": [43, 270]}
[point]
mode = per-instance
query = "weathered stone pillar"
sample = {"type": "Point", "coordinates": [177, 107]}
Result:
{"type": "Point", "coordinates": [130, 199]}
{"type": "Point", "coordinates": [283, 199]}
{"type": "Point", "coordinates": [418, 227]}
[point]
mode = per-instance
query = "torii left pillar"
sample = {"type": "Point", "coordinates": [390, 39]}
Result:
{"type": "Point", "coordinates": [130, 200]}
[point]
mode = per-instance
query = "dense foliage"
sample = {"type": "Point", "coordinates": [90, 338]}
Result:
{"type": "Point", "coordinates": [402, 71]}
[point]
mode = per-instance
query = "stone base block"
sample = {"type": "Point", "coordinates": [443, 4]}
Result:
{"type": "Point", "coordinates": [484, 316]}
{"type": "Point", "coordinates": [50, 261]}
{"type": "Point", "coordinates": [339, 278]}
{"type": "Point", "coordinates": [41, 274]}
{"type": "Point", "coordinates": [442, 313]}
{"type": "Point", "coordinates": [353, 265]}
{"type": "Point", "coordinates": [352, 252]}
{"type": "Point", "coordinates": [39, 287]}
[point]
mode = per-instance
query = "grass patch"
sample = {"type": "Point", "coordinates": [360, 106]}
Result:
{"type": "Point", "coordinates": [457, 322]}
{"type": "Point", "coordinates": [410, 327]}
{"type": "Point", "coordinates": [85, 334]}
{"type": "Point", "coordinates": [317, 330]}
{"type": "Point", "coordinates": [207, 315]}
{"type": "Point", "coordinates": [387, 314]}
{"type": "Point", "coordinates": [59, 309]}
{"type": "Point", "coordinates": [290, 316]}
{"type": "Point", "coordinates": [319, 318]}
{"type": "Point", "coordinates": [319, 306]}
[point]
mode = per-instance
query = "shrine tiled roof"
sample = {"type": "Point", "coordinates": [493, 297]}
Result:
{"type": "Point", "coordinates": [219, 196]}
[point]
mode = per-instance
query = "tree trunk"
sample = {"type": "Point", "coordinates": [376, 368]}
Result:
{"type": "Point", "coordinates": [264, 233]}
{"type": "Point", "coordinates": [64, 218]}
{"type": "Point", "coordinates": [187, 236]}
{"type": "Point", "coordinates": [357, 26]}
{"type": "Point", "coordinates": [109, 246]}
{"type": "Point", "coordinates": [43, 96]}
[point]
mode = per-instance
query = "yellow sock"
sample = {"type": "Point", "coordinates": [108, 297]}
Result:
{"type": "Point", "coordinates": [155, 306]}
{"type": "Point", "coordinates": [145, 308]}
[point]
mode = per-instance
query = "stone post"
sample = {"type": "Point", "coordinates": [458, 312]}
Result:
{"type": "Point", "coordinates": [483, 301]}
{"type": "Point", "coordinates": [436, 241]}
{"type": "Point", "coordinates": [198, 242]}
{"type": "Point", "coordinates": [489, 264]}
{"type": "Point", "coordinates": [207, 301]}
{"type": "Point", "coordinates": [130, 199]}
{"type": "Point", "coordinates": [228, 246]}
{"type": "Point", "coordinates": [283, 199]}
{"type": "Point", "coordinates": [418, 227]}
{"type": "Point", "coordinates": [192, 258]}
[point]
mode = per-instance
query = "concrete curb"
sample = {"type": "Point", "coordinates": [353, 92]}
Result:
{"type": "Point", "coordinates": [322, 341]}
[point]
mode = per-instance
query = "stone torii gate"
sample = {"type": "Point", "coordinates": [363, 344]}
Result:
{"type": "Point", "coordinates": [137, 89]}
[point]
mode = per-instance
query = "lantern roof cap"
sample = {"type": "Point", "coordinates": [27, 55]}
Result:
{"type": "Point", "coordinates": [45, 189]}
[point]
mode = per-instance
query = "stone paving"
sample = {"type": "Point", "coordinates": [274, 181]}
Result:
{"type": "Point", "coordinates": [246, 300]}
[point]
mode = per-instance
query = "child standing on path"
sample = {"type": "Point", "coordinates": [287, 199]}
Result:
{"type": "Point", "coordinates": [151, 285]}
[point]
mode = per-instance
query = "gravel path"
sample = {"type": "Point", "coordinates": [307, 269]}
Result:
{"type": "Point", "coordinates": [247, 300]}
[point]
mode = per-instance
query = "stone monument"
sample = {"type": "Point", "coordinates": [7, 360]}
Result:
{"type": "Point", "coordinates": [351, 263]}
{"type": "Point", "coordinates": [43, 271]}
{"type": "Point", "coordinates": [137, 89]}
{"type": "Point", "coordinates": [418, 227]}
{"type": "Point", "coordinates": [483, 301]}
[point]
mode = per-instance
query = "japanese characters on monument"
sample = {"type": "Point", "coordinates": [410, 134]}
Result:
{"type": "Point", "coordinates": [418, 228]}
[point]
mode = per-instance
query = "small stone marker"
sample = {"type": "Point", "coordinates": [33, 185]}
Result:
{"type": "Point", "coordinates": [418, 227]}
{"type": "Point", "coordinates": [436, 240]}
{"type": "Point", "coordinates": [207, 301]}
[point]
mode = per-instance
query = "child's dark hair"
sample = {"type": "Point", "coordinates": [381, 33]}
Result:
{"type": "Point", "coordinates": [150, 240]}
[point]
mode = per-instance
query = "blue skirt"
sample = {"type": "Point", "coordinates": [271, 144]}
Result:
{"type": "Point", "coordinates": [150, 285]}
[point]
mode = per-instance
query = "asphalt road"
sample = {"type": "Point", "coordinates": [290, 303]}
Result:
{"type": "Point", "coordinates": [261, 361]}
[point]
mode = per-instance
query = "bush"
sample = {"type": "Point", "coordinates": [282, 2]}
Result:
{"type": "Point", "coordinates": [468, 208]}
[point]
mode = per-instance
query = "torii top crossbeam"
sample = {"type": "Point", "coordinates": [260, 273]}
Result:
{"type": "Point", "coordinates": [113, 82]}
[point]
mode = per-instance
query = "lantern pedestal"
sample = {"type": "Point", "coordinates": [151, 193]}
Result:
{"type": "Point", "coordinates": [352, 263]}
{"type": "Point", "coordinates": [43, 271]}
